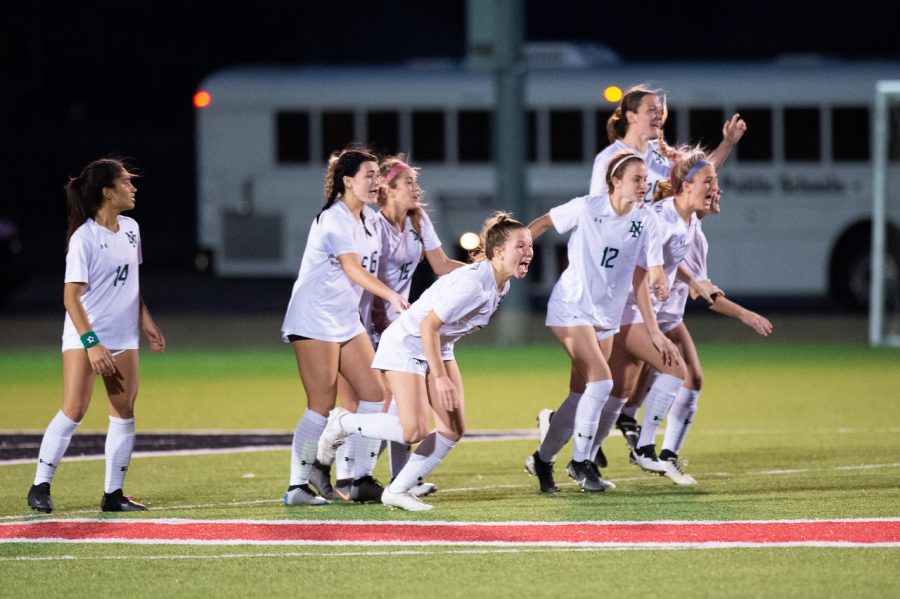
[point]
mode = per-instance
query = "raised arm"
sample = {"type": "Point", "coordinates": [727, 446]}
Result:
{"type": "Point", "coordinates": [540, 225]}
{"type": "Point", "coordinates": [732, 132]}
{"type": "Point", "coordinates": [359, 275]}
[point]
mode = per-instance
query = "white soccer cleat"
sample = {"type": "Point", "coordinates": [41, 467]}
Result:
{"type": "Point", "coordinates": [404, 501]}
{"type": "Point", "coordinates": [529, 465]}
{"type": "Point", "coordinates": [332, 437]}
{"type": "Point", "coordinates": [423, 489]}
{"type": "Point", "coordinates": [676, 474]}
{"type": "Point", "coordinates": [645, 458]}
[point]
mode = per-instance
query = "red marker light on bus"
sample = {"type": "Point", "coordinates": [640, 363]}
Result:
{"type": "Point", "coordinates": [202, 99]}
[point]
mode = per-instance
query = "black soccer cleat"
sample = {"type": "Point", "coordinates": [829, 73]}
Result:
{"type": "Point", "coordinates": [630, 429]}
{"type": "Point", "coordinates": [118, 502]}
{"type": "Point", "coordinates": [544, 472]}
{"type": "Point", "coordinates": [587, 476]}
{"type": "Point", "coordinates": [600, 458]}
{"type": "Point", "coordinates": [365, 489]}
{"type": "Point", "coordinates": [39, 498]}
{"type": "Point", "coordinates": [320, 478]}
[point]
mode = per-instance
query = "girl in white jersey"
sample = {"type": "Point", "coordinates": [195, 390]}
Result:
{"type": "Point", "coordinates": [670, 315]}
{"type": "Point", "coordinates": [104, 317]}
{"type": "Point", "coordinates": [694, 179]}
{"type": "Point", "coordinates": [322, 321]}
{"type": "Point", "coordinates": [416, 354]}
{"type": "Point", "coordinates": [407, 238]}
{"type": "Point", "coordinates": [636, 126]}
{"type": "Point", "coordinates": [610, 236]}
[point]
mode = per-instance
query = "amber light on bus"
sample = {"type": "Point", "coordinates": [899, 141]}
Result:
{"type": "Point", "coordinates": [202, 99]}
{"type": "Point", "coordinates": [613, 93]}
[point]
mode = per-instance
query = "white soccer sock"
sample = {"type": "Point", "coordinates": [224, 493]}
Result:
{"type": "Point", "coordinates": [587, 417]}
{"type": "Point", "coordinates": [119, 445]}
{"type": "Point", "coordinates": [608, 417]}
{"type": "Point", "coordinates": [343, 459]}
{"type": "Point", "coordinates": [304, 445]}
{"type": "Point", "coordinates": [397, 452]}
{"type": "Point", "coordinates": [431, 451]}
{"type": "Point", "coordinates": [366, 449]}
{"type": "Point", "coordinates": [659, 399]}
{"type": "Point", "coordinates": [561, 426]}
{"type": "Point", "coordinates": [53, 446]}
{"type": "Point", "coordinates": [681, 416]}
{"type": "Point", "coordinates": [373, 426]}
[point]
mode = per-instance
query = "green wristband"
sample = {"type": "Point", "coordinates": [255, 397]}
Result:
{"type": "Point", "coordinates": [90, 339]}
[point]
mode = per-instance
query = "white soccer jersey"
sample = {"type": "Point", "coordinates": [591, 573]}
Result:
{"type": "Point", "coordinates": [658, 167]}
{"type": "Point", "coordinates": [463, 299]}
{"type": "Point", "coordinates": [603, 250]}
{"type": "Point", "coordinates": [672, 310]}
{"type": "Point", "coordinates": [325, 303]}
{"type": "Point", "coordinates": [676, 237]}
{"type": "Point", "coordinates": [107, 263]}
{"type": "Point", "coordinates": [401, 252]}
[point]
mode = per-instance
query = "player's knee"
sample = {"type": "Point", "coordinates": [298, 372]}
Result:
{"type": "Point", "coordinates": [694, 381]}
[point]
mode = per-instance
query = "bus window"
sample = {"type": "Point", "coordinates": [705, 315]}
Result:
{"type": "Point", "coordinates": [384, 131]}
{"type": "Point", "coordinates": [566, 131]}
{"type": "Point", "coordinates": [756, 145]}
{"type": "Point", "coordinates": [531, 136]}
{"type": "Point", "coordinates": [894, 135]}
{"type": "Point", "coordinates": [292, 137]}
{"type": "Point", "coordinates": [475, 135]}
{"type": "Point", "coordinates": [428, 136]}
{"type": "Point", "coordinates": [670, 129]}
{"type": "Point", "coordinates": [802, 140]}
{"type": "Point", "coordinates": [337, 131]}
{"type": "Point", "coordinates": [600, 118]}
{"type": "Point", "coordinates": [705, 126]}
{"type": "Point", "coordinates": [850, 133]}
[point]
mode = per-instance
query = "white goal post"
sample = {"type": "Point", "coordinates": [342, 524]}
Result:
{"type": "Point", "coordinates": [885, 93]}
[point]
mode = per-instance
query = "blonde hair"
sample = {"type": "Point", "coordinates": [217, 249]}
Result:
{"type": "Point", "coordinates": [416, 215]}
{"type": "Point", "coordinates": [687, 158]}
{"type": "Point", "coordinates": [494, 233]}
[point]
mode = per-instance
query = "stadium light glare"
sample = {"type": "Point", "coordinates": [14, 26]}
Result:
{"type": "Point", "coordinates": [469, 241]}
{"type": "Point", "coordinates": [202, 99]}
{"type": "Point", "coordinates": [612, 93]}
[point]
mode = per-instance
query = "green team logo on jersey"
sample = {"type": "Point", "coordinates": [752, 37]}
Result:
{"type": "Point", "coordinates": [132, 238]}
{"type": "Point", "coordinates": [636, 228]}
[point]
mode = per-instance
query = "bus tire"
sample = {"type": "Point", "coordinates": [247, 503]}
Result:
{"type": "Point", "coordinates": [851, 267]}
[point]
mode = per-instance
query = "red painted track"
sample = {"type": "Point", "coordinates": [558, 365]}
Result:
{"type": "Point", "coordinates": [813, 532]}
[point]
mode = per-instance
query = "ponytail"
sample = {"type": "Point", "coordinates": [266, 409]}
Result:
{"type": "Point", "coordinates": [84, 193]}
{"type": "Point", "coordinates": [617, 124]}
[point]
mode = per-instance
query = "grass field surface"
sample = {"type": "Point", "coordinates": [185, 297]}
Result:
{"type": "Point", "coordinates": [784, 433]}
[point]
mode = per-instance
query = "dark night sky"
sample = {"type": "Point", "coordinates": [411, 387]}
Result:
{"type": "Point", "coordinates": [84, 79]}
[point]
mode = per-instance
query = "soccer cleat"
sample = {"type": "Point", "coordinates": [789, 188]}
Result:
{"type": "Point", "coordinates": [39, 498]}
{"type": "Point", "coordinates": [332, 437]}
{"type": "Point", "coordinates": [630, 429]}
{"type": "Point", "coordinates": [118, 502]}
{"type": "Point", "coordinates": [587, 476]}
{"type": "Point", "coordinates": [543, 419]}
{"type": "Point", "coordinates": [404, 501]}
{"type": "Point", "coordinates": [423, 489]}
{"type": "Point", "coordinates": [670, 462]}
{"type": "Point", "coordinates": [366, 489]}
{"type": "Point", "coordinates": [303, 495]}
{"type": "Point", "coordinates": [645, 458]}
{"type": "Point", "coordinates": [600, 458]}
{"type": "Point", "coordinates": [544, 473]}
{"type": "Point", "coordinates": [320, 479]}
{"type": "Point", "coordinates": [529, 466]}
{"type": "Point", "coordinates": [342, 488]}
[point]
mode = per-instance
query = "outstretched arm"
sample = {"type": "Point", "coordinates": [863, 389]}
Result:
{"type": "Point", "coordinates": [440, 263]}
{"type": "Point", "coordinates": [758, 323]}
{"type": "Point", "coordinates": [540, 225]}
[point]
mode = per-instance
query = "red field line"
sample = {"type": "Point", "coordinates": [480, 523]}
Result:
{"type": "Point", "coordinates": [747, 533]}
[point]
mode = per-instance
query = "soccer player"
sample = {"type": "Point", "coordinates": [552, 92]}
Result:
{"type": "Point", "coordinates": [416, 355]}
{"type": "Point", "coordinates": [610, 251]}
{"type": "Point", "coordinates": [322, 322]}
{"type": "Point", "coordinates": [636, 126]}
{"type": "Point", "coordinates": [105, 315]}
{"type": "Point", "coordinates": [670, 316]}
{"type": "Point", "coordinates": [407, 238]}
